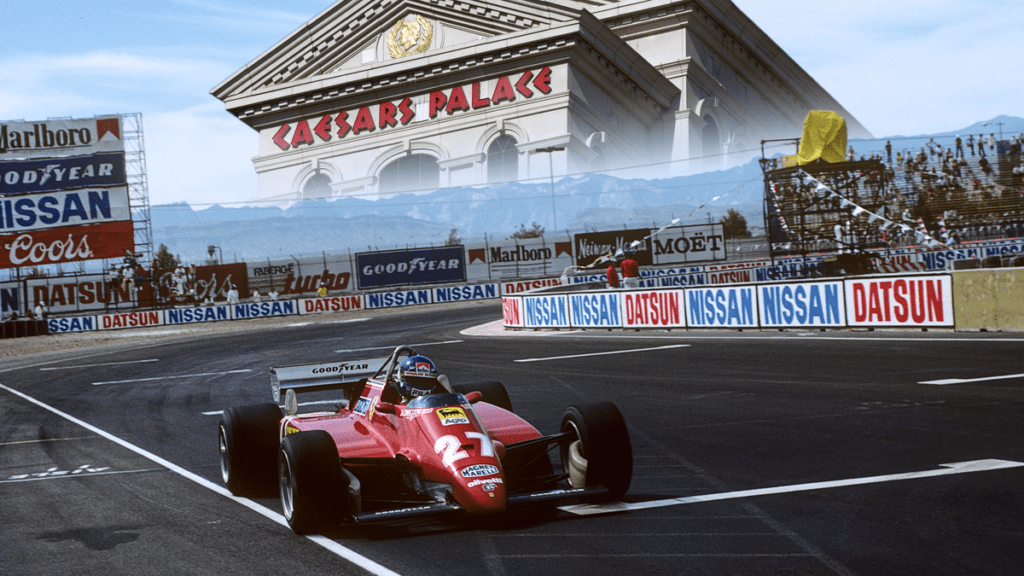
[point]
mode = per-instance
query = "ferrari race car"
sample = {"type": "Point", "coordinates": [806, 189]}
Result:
{"type": "Point", "coordinates": [405, 442]}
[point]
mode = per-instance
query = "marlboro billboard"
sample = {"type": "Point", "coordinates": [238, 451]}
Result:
{"type": "Point", "coordinates": [53, 138]}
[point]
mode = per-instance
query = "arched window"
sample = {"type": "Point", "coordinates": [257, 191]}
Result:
{"type": "Point", "coordinates": [415, 172]}
{"type": "Point", "coordinates": [502, 160]}
{"type": "Point", "coordinates": [318, 186]}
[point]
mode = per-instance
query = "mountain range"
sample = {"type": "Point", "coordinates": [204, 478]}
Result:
{"type": "Point", "coordinates": [588, 202]}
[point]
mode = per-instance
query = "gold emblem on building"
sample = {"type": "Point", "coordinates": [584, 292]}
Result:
{"type": "Point", "coordinates": [410, 37]}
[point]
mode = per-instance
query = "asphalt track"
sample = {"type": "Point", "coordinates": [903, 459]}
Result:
{"type": "Point", "coordinates": [755, 453]}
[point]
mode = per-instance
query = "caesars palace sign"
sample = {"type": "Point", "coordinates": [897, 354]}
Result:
{"type": "Point", "coordinates": [388, 114]}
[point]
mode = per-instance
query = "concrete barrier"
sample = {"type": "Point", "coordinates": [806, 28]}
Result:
{"type": "Point", "coordinates": [989, 299]}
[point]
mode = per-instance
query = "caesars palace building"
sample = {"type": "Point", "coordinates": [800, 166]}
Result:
{"type": "Point", "coordinates": [380, 96]}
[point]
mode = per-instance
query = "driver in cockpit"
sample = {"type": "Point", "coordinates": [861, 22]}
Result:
{"type": "Point", "coordinates": [417, 376]}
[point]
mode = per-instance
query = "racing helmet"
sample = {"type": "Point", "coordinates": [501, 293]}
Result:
{"type": "Point", "coordinates": [417, 376]}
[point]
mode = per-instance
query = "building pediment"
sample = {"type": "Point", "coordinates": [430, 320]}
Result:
{"type": "Point", "coordinates": [351, 34]}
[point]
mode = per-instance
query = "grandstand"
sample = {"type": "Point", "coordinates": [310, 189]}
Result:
{"type": "Point", "coordinates": [925, 198]}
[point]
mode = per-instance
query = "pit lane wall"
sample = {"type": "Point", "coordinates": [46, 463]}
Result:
{"type": "Point", "coordinates": [890, 301]}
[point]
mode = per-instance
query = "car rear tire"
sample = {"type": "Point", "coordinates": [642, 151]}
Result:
{"type": "Point", "coordinates": [314, 490]}
{"type": "Point", "coordinates": [601, 455]}
{"type": "Point", "coordinates": [248, 441]}
{"type": "Point", "coordinates": [491, 392]}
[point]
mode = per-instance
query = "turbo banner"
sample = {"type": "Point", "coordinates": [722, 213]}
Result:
{"type": "Point", "coordinates": [50, 138]}
{"type": "Point", "coordinates": [69, 208]}
{"type": "Point", "coordinates": [35, 176]}
{"type": "Point", "coordinates": [67, 244]}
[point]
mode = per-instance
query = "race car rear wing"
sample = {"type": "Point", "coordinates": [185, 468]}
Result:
{"type": "Point", "coordinates": [326, 376]}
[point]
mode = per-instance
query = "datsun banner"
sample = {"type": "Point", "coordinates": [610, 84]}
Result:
{"type": "Point", "coordinates": [405, 267]}
{"type": "Point", "coordinates": [53, 174]}
{"type": "Point", "coordinates": [802, 305]}
{"type": "Point", "coordinates": [69, 137]}
{"type": "Point", "coordinates": [330, 304]}
{"type": "Point", "coordinates": [512, 312]}
{"type": "Point", "coordinates": [653, 309]}
{"type": "Point", "coordinates": [131, 320]}
{"type": "Point", "coordinates": [724, 307]}
{"type": "Point", "coordinates": [900, 301]}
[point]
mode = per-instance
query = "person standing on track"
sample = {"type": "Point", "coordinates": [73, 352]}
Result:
{"type": "Point", "coordinates": [630, 271]}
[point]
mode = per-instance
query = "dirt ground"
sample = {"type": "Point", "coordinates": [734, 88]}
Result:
{"type": "Point", "coordinates": [14, 347]}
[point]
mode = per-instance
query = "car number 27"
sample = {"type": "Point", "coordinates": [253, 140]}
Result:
{"type": "Point", "coordinates": [450, 447]}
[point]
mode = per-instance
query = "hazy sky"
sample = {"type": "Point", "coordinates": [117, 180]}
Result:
{"type": "Point", "coordinates": [900, 67]}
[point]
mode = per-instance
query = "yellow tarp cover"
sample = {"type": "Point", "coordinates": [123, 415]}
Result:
{"type": "Point", "coordinates": [824, 137]}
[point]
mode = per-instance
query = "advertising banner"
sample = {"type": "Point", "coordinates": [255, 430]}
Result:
{"type": "Point", "coordinates": [685, 244]}
{"type": "Point", "coordinates": [209, 283]}
{"type": "Point", "coordinates": [545, 312]}
{"type": "Point", "coordinates": [49, 138]}
{"type": "Point", "coordinates": [653, 309]}
{"type": "Point", "coordinates": [803, 305]}
{"type": "Point", "coordinates": [593, 245]}
{"type": "Point", "coordinates": [512, 312]}
{"type": "Point", "coordinates": [725, 307]}
{"type": "Point", "coordinates": [10, 299]}
{"type": "Point", "coordinates": [939, 259]}
{"type": "Point", "coordinates": [460, 293]}
{"type": "Point", "coordinates": [90, 292]}
{"type": "Point", "coordinates": [595, 310]}
{"type": "Point", "coordinates": [60, 209]}
{"type": "Point", "coordinates": [900, 301]}
{"type": "Point", "coordinates": [68, 244]}
{"type": "Point", "coordinates": [527, 285]}
{"type": "Point", "coordinates": [37, 176]}
{"type": "Point", "coordinates": [410, 267]}
{"type": "Point", "coordinates": [396, 299]}
{"type": "Point", "coordinates": [330, 304]}
{"type": "Point", "coordinates": [70, 324]}
{"type": "Point", "coordinates": [303, 275]}
{"type": "Point", "coordinates": [263, 310]}
{"type": "Point", "coordinates": [530, 257]}
{"type": "Point", "coordinates": [197, 314]}
{"type": "Point", "coordinates": [130, 320]}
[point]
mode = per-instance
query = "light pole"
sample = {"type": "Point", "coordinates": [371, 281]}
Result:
{"type": "Point", "coordinates": [1000, 124]}
{"type": "Point", "coordinates": [550, 150]}
{"type": "Point", "coordinates": [211, 249]}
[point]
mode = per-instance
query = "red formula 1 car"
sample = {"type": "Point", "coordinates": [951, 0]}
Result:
{"type": "Point", "coordinates": [405, 443]}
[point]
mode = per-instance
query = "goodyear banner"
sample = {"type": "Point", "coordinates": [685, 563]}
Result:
{"type": "Point", "coordinates": [409, 267]}
{"type": "Point", "coordinates": [37, 176]}
{"type": "Point", "coordinates": [51, 138]}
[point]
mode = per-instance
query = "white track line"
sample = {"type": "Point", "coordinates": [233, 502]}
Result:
{"type": "Point", "coordinates": [169, 377]}
{"type": "Point", "coordinates": [969, 380]}
{"type": "Point", "coordinates": [946, 470]}
{"type": "Point", "coordinates": [602, 353]}
{"type": "Point", "coordinates": [95, 365]}
{"type": "Point", "coordinates": [330, 545]}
